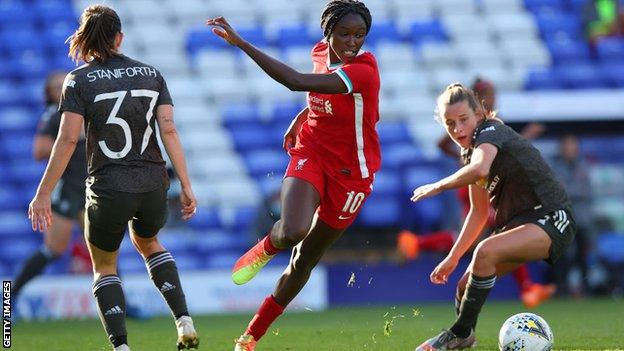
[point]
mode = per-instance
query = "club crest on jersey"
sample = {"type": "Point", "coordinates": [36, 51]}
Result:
{"type": "Point", "coordinates": [300, 164]}
{"type": "Point", "coordinates": [328, 108]}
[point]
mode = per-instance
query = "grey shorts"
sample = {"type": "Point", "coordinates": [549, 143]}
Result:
{"type": "Point", "coordinates": [109, 212]}
{"type": "Point", "coordinates": [559, 225]}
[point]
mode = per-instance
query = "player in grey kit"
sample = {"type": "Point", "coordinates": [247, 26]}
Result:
{"type": "Point", "coordinates": [119, 100]}
{"type": "Point", "coordinates": [533, 217]}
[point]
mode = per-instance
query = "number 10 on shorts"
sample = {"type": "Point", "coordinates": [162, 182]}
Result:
{"type": "Point", "coordinates": [353, 203]}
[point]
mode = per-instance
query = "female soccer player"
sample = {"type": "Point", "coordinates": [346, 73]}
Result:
{"type": "Point", "coordinates": [334, 157]}
{"type": "Point", "coordinates": [116, 97]}
{"type": "Point", "coordinates": [68, 196]}
{"type": "Point", "coordinates": [533, 218]}
{"type": "Point", "coordinates": [410, 244]}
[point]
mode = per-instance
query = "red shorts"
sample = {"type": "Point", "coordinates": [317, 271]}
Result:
{"type": "Point", "coordinates": [341, 199]}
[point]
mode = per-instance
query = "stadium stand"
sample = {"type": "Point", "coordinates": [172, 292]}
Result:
{"type": "Point", "coordinates": [231, 116]}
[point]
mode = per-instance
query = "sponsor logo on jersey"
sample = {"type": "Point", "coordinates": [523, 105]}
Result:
{"type": "Point", "coordinates": [70, 83]}
{"type": "Point", "coordinates": [328, 108]}
{"type": "Point", "coordinates": [488, 129]}
{"type": "Point", "coordinates": [300, 164]}
{"type": "Point", "coordinates": [320, 105]}
{"type": "Point", "coordinates": [493, 184]}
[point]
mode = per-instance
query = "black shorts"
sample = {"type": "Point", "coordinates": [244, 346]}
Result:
{"type": "Point", "coordinates": [559, 225]}
{"type": "Point", "coordinates": [108, 212]}
{"type": "Point", "coordinates": [68, 200]}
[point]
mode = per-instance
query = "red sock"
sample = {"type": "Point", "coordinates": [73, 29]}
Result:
{"type": "Point", "coordinates": [522, 277]}
{"type": "Point", "coordinates": [266, 315]}
{"type": "Point", "coordinates": [269, 248]}
{"type": "Point", "coordinates": [441, 241]}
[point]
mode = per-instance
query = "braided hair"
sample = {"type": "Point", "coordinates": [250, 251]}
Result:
{"type": "Point", "coordinates": [335, 10]}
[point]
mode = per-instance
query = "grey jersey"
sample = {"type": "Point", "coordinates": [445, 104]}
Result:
{"type": "Point", "coordinates": [118, 100]}
{"type": "Point", "coordinates": [76, 171]}
{"type": "Point", "coordinates": [520, 182]}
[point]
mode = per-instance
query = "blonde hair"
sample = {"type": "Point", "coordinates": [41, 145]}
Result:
{"type": "Point", "coordinates": [457, 92]}
{"type": "Point", "coordinates": [95, 37]}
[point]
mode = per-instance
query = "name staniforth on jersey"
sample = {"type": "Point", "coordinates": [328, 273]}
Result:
{"type": "Point", "coordinates": [6, 314]}
{"type": "Point", "coordinates": [117, 73]}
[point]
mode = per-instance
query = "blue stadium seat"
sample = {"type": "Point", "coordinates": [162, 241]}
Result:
{"type": "Point", "coordinates": [610, 49]}
{"type": "Point", "coordinates": [56, 35]}
{"type": "Point", "coordinates": [205, 218]}
{"type": "Point", "coordinates": [580, 76]}
{"type": "Point", "coordinates": [188, 262]}
{"type": "Point", "coordinates": [15, 14]}
{"type": "Point", "coordinates": [9, 197]}
{"type": "Point", "coordinates": [17, 120]}
{"type": "Point", "coordinates": [396, 156]}
{"type": "Point", "coordinates": [542, 78]}
{"type": "Point", "coordinates": [221, 260]}
{"type": "Point", "coordinates": [235, 115]}
{"type": "Point", "coordinates": [610, 247]}
{"type": "Point", "coordinates": [566, 51]}
{"type": "Point", "coordinates": [250, 138]}
{"type": "Point", "coordinates": [244, 218]}
{"type": "Point", "coordinates": [285, 111]}
{"type": "Point", "coordinates": [18, 146]}
{"type": "Point", "coordinates": [293, 35]}
{"type": "Point", "coordinates": [20, 40]}
{"type": "Point", "coordinates": [380, 211]}
{"type": "Point", "coordinates": [8, 98]}
{"type": "Point", "coordinates": [261, 163]}
{"type": "Point", "coordinates": [416, 176]}
{"type": "Point", "coordinates": [536, 6]}
{"type": "Point", "coordinates": [253, 34]}
{"type": "Point", "coordinates": [387, 183]}
{"type": "Point", "coordinates": [613, 74]}
{"type": "Point", "coordinates": [17, 249]}
{"type": "Point", "coordinates": [559, 26]}
{"type": "Point", "coordinates": [218, 240]}
{"type": "Point", "coordinates": [32, 65]}
{"type": "Point", "coordinates": [14, 224]}
{"type": "Point", "coordinates": [270, 185]}
{"type": "Point", "coordinates": [382, 31]}
{"type": "Point", "coordinates": [427, 30]}
{"type": "Point", "coordinates": [53, 11]}
{"type": "Point", "coordinates": [26, 171]}
{"type": "Point", "coordinates": [31, 95]}
{"type": "Point", "coordinates": [393, 133]}
{"type": "Point", "coordinates": [201, 37]}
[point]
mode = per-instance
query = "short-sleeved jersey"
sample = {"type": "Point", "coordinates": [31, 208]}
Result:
{"type": "Point", "coordinates": [340, 128]}
{"type": "Point", "coordinates": [118, 100]}
{"type": "Point", "coordinates": [520, 181]}
{"type": "Point", "coordinates": [76, 171]}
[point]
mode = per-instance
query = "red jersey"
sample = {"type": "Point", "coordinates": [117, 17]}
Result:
{"type": "Point", "coordinates": [340, 128]}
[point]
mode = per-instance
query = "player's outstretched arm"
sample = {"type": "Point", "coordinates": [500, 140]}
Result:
{"type": "Point", "coordinates": [39, 210]}
{"type": "Point", "coordinates": [173, 146]}
{"type": "Point", "coordinates": [478, 168]}
{"type": "Point", "coordinates": [473, 226]}
{"type": "Point", "coordinates": [282, 73]}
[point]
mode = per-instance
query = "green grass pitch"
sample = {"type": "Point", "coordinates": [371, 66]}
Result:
{"type": "Point", "coordinates": [577, 325]}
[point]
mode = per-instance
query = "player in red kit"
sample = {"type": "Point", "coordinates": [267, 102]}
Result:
{"type": "Point", "coordinates": [334, 153]}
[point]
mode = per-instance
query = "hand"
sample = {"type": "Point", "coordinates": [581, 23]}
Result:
{"type": "Point", "coordinates": [425, 191]}
{"type": "Point", "coordinates": [40, 212]}
{"type": "Point", "coordinates": [290, 137]}
{"type": "Point", "coordinates": [188, 202]}
{"type": "Point", "coordinates": [223, 29]}
{"type": "Point", "coordinates": [441, 273]}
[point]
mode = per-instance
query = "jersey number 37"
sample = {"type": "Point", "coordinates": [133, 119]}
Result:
{"type": "Point", "coordinates": [113, 119]}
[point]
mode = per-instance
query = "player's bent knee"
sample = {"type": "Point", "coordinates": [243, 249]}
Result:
{"type": "Point", "coordinates": [485, 253]}
{"type": "Point", "coordinates": [147, 246]}
{"type": "Point", "coordinates": [291, 235]}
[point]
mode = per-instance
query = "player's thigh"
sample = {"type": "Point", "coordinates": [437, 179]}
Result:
{"type": "Point", "coordinates": [150, 216]}
{"type": "Point", "coordinates": [302, 190]}
{"type": "Point", "coordinates": [107, 214]}
{"type": "Point", "coordinates": [527, 242]}
{"type": "Point", "coordinates": [342, 201]}
{"type": "Point", "coordinates": [58, 235]}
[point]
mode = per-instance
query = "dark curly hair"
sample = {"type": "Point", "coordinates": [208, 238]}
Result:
{"type": "Point", "coordinates": [335, 10]}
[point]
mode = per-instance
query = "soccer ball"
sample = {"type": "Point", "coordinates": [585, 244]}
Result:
{"type": "Point", "coordinates": [525, 332]}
